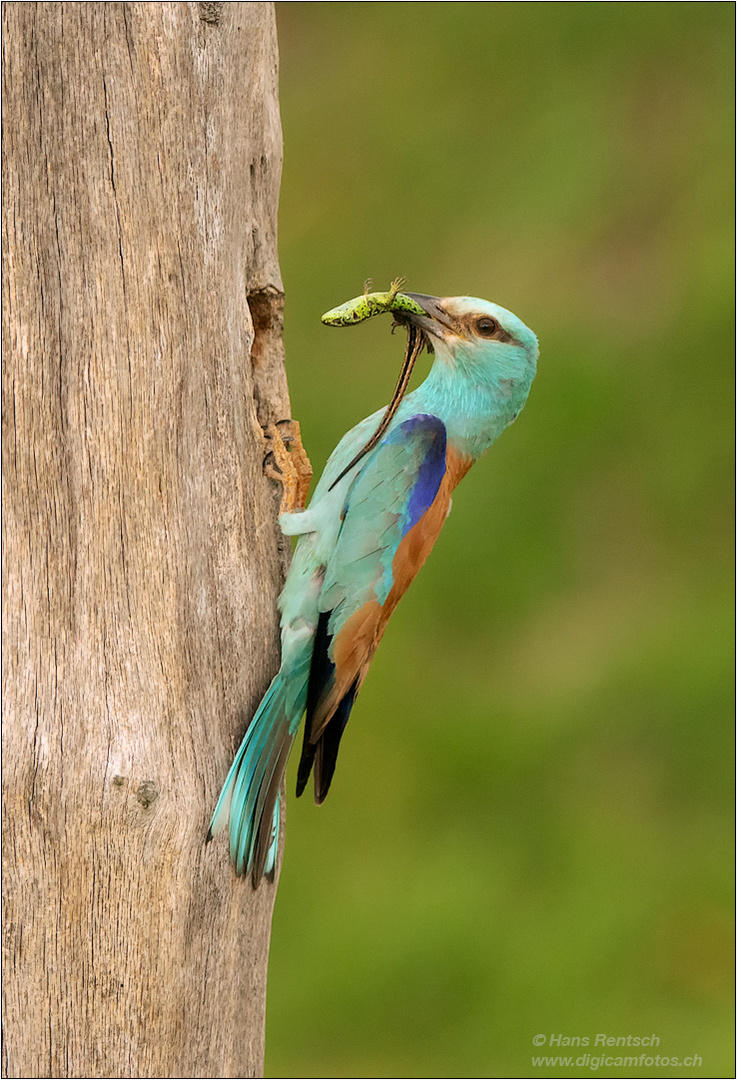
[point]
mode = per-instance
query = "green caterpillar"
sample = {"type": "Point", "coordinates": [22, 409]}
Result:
{"type": "Point", "coordinates": [370, 304]}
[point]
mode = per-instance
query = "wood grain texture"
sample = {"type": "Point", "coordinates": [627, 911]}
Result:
{"type": "Point", "coordinates": [141, 556]}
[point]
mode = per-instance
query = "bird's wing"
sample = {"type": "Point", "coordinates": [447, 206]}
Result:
{"type": "Point", "coordinates": [392, 515]}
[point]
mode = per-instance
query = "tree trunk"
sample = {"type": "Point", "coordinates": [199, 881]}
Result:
{"type": "Point", "coordinates": [141, 556]}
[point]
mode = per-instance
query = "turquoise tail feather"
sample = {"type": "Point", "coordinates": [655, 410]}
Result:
{"type": "Point", "coordinates": [249, 801]}
{"type": "Point", "coordinates": [270, 864]}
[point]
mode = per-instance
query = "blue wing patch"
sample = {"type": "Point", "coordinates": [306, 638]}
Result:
{"type": "Point", "coordinates": [390, 494]}
{"type": "Point", "coordinates": [396, 486]}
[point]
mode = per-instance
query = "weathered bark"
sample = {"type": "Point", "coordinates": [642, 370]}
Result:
{"type": "Point", "coordinates": [141, 348]}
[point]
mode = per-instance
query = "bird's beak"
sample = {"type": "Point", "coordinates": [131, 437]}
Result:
{"type": "Point", "coordinates": [437, 321]}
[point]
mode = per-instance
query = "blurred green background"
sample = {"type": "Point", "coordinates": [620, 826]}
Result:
{"type": "Point", "coordinates": [530, 825]}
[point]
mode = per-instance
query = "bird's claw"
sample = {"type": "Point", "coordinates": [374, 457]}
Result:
{"type": "Point", "coordinates": [291, 466]}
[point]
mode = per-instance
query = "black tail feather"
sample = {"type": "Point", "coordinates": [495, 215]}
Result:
{"type": "Point", "coordinates": [305, 763]}
{"type": "Point", "coordinates": [326, 750]}
{"type": "Point", "coordinates": [322, 753]}
{"type": "Point", "coordinates": [322, 670]}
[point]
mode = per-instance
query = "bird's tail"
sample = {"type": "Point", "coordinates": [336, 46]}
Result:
{"type": "Point", "coordinates": [249, 801]}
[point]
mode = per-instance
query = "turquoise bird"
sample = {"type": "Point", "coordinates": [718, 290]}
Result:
{"type": "Point", "coordinates": [374, 516]}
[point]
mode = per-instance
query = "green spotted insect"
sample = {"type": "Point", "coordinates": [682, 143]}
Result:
{"type": "Point", "coordinates": [370, 304]}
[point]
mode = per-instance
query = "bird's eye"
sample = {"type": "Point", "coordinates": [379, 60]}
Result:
{"type": "Point", "coordinates": [486, 326]}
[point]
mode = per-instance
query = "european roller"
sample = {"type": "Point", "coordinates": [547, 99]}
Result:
{"type": "Point", "coordinates": [374, 516]}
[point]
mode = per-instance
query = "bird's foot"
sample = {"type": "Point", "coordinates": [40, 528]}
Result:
{"type": "Point", "coordinates": [291, 466]}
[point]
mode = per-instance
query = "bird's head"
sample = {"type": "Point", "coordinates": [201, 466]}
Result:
{"type": "Point", "coordinates": [486, 360]}
{"type": "Point", "coordinates": [484, 342]}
